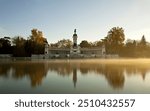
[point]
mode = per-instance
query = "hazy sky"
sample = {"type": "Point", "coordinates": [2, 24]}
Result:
{"type": "Point", "coordinates": [58, 18]}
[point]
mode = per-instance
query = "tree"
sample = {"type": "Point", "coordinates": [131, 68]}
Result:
{"type": "Point", "coordinates": [29, 48]}
{"type": "Point", "coordinates": [107, 44]}
{"type": "Point", "coordinates": [130, 48]}
{"type": "Point", "coordinates": [143, 41]}
{"type": "Point", "coordinates": [142, 47]}
{"type": "Point", "coordinates": [18, 41]}
{"type": "Point", "coordinates": [5, 45]}
{"type": "Point", "coordinates": [85, 44]}
{"type": "Point", "coordinates": [19, 46]}
{"type": "Point", "coordinates": [115, 39]}
{"type": "Point", "coordinates": [37, 36]}
{"type": "Point", "coordinates": [64, 43]}
{"type": "Point", "coordinates": [116, 36]}
{"type": "Point", "coordinates": [98, 44]}
{"type": "Point", "coordinates": [38, 41]}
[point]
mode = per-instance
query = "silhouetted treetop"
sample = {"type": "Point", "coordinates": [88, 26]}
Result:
{"type": "Point", "coordinates": [84, 44]}
{"type": "Point", "coordinates": [116, 35]}
{"type": "Point", "coordinates": [64, 43]}
{"type": "Point", "coordinates": [143, 40]}
{"type": "Point", "coordinates": [37, 36]}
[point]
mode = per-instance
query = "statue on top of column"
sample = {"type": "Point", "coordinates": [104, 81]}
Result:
{"type": "Point", "coordinates": [74, 31]}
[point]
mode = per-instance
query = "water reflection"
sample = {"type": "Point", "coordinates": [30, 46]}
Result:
{"type": "Point", "coordinates": [74, 77]}
{"type": "Point", "coordinates": [35, 72]}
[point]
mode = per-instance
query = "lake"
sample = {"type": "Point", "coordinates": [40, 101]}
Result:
{"type": "Point", "coordinates": [76, 76]}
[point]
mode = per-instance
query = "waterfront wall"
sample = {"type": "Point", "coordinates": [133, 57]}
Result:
{"type": "Point", "coordinates": [5, 55]}
{"type": "Point", "coordinates": [37, 56]}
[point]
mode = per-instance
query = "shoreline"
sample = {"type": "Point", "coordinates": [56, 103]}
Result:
{"type": "Point", "coordinates": [137, 61]}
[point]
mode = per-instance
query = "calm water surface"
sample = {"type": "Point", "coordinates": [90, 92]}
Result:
{"type": "Point", "coordinates": [75, 76]}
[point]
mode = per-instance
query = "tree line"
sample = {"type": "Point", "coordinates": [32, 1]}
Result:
{"type": "Point", "coordinates": [114, 43]}
{"type": "Point", "coordinates": [20, 47]}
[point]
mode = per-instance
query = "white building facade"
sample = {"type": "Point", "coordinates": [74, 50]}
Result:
{"type": "Point", "coordinates": [75, 51]}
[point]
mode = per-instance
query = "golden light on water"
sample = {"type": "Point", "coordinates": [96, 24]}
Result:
{"type": "Point", "coordinates": [123, 75]}
{"type": "Point", "coordinates": [138, 61]}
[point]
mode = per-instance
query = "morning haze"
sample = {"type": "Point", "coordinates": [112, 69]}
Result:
{"type": "Point", "coordinates": [79, 47]}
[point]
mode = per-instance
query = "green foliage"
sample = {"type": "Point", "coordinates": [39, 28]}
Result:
{"type": "Point", "coordinates": [64, 43]}
{"type": "Point", "coordinates": [37, 37]}
{"type": "Point", "coordinates": [114, 40]}
{"type": "Point", "coordinates": [5, 45]}
{"type": "Point", "coordinates": [116, 36]}
{"type": "Point", "coordinates": [37, 41]}
{"type": "Point", "coordinates": [35, 44]}
{"type": "Point", "coordinates": [19, 49]}
{"type": "Point", "coordinates": [85, 44]}
{"type": "Point", "coordinates": [143, 41]}
{"type": "Point", "coordinates": [18, 41]}
{"type": "Point", "coordinates": [135, 48]}
{"type": "Point", "coordinates": [114, 44]}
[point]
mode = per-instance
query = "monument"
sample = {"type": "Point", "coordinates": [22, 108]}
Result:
{"type": "Point", "coordinates": [75, 51]}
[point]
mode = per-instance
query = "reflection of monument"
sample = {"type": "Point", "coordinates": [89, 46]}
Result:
{"type": "Point", "coordinates": [143, 73]}
{"type": "Point", "coordinates": [74, 77]}
{"type": "Point", "coordinates": [35, 72]}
